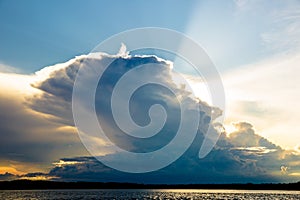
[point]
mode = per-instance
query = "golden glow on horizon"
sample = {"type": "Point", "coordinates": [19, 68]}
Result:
{"type": "Point", "coordinates": [295, 174]}
{"type": "Point", "coordinates": [10, 170]}
{"type": "Point", "coordinates": [38, 178]}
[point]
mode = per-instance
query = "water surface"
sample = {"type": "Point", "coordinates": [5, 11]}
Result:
{"type": "Point", "coordinates": [147, 194]}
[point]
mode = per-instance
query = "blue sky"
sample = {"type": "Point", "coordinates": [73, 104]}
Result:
{"type": "Point", "coordinates": [36, 34]}
{"type": "Point", "coordinates": [255, 46]}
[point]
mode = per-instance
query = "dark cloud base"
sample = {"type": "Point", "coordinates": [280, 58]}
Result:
{"type": "Point", "coordinates": [223, 165]}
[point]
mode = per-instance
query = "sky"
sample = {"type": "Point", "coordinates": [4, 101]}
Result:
{"type": "Point", "coordinates": [254, 45]}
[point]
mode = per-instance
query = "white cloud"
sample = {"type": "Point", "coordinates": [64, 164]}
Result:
{"type": "Point", "coordinates": [267, 95]}
{"type": "Point", "coordinates": [8, 69]}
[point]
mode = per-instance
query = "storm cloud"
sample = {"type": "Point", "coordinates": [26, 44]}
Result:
{"type": "Point", "coordinates": [38, 130]}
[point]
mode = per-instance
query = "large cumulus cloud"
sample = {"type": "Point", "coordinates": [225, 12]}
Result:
{"type": "Point", "coordinates": [40, 129]}
{"type": "Point", "coordinates": [55, 99]}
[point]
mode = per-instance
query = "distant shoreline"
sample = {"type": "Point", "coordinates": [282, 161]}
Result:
{"type": "Point", "coordinates": [41, 185]}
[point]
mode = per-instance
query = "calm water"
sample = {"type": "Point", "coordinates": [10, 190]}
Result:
{"type": "Point", "coordinates": [147, 194]}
